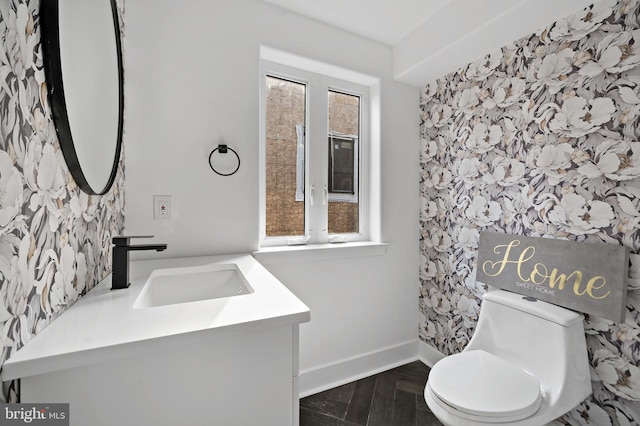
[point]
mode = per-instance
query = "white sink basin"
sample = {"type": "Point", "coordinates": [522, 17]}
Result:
{"type": "Point", "coordinates": [191, 284]}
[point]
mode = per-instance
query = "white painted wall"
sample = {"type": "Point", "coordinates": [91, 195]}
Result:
{"type": "Point", "coordinates": [191, 77]}
{"type": "Point", "coordinates": [465, 30]}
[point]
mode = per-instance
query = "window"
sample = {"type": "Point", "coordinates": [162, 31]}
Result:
{"type": "Point", "coordinates": [343, 165]}
{"type": "Point", "coordinates": [314, 149]}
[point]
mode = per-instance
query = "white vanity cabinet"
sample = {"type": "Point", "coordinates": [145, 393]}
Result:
{"type": "Point", "coordinates": [244, 379]}
{"type": "Point", "coordinates": [229, 361]}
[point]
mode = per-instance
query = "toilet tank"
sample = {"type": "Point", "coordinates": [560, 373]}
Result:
{"type": "Point", "coordinates": [544, 339]}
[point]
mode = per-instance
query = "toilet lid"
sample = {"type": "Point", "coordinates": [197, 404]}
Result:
{"type": "Point", "coordinates": [480, 384]}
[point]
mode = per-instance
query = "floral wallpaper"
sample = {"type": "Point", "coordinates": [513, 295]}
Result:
{"type": "Point", "coordinates": [540, 138]}
{"type": "Point", "coordinates": [55, 241]}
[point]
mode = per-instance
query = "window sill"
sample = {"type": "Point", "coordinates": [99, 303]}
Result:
{"type": "Point", "coordinates": [301, 253]}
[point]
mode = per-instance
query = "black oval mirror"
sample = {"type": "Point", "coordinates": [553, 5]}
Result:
{"type": "Point", "coordinates": [84, 74]}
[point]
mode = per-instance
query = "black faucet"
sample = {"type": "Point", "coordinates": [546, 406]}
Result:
{"type": "Point", "coordinates": [121, 249]}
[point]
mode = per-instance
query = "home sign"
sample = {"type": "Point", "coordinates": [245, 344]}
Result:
{"type": "Point", "coordinates": [585, 277]}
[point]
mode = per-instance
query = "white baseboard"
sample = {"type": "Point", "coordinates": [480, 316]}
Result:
{"type": "Point", "coordinates": [428, 354]}
{"type": "Point", "coordinates": [344, 371]}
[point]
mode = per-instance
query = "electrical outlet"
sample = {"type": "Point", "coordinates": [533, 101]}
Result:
{"type": "Point", "coordinates": [161, 207]}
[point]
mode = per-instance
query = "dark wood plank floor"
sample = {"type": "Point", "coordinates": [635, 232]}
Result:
{"type": "Point", "coordinates": [391, 398]}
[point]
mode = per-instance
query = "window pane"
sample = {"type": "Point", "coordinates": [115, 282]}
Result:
{"type": "Point", "coordinates": [285, 116]}
{"type": "Point", "coordinates": [344, 162]}
{"type": "Point", "coordinates": [341, 167]}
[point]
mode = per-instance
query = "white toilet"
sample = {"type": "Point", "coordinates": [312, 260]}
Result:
{"type": "Point", "coordinates": [526, 364]}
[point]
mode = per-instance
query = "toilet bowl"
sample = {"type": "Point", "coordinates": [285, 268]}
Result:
{"type": "Point", "coordinates": [526, 364]}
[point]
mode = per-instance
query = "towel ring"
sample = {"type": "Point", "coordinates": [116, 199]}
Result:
{"type": "Point", "coordinates": [223, 149]}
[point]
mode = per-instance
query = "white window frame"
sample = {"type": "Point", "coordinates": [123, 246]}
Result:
{"type": "Point", "coordinates": [316, 194]}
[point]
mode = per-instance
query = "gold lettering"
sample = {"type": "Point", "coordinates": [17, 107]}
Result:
{"type": "Point", "coordinates": [536, 272]}
{"type": "Point", "coordinates": [522, 260]}
{"type": "Point", "coordinates": [540, 274]}
{"type": "Point", "coordinates": [562, 278]}
{"type": "Point", "coordinates": [524, 257]}
{"type": "Point", "coordinates": [503, 262]}
{"type": "Point", "coordinates": [576, 283]}
{"type": "Point", "coordinates": [591, 285]}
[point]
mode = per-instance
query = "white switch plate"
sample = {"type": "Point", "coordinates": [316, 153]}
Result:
{"type": "Point", "coordinates": [161, 207]}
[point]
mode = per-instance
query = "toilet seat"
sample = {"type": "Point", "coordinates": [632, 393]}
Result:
{"type": "Point", "coordinates": [482, 387]}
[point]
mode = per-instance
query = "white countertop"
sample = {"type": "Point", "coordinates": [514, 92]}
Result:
{"type": "Point", "coordinates": [103, 325]}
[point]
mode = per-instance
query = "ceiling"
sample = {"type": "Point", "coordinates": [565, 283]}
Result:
{"type": "Point", "coordinates": [430, 38]}
{"type": "Point", "coordinates": [386, 21]}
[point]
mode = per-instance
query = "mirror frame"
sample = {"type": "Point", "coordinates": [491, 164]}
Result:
{"type": "Point", "coordinates": [49, 21]}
